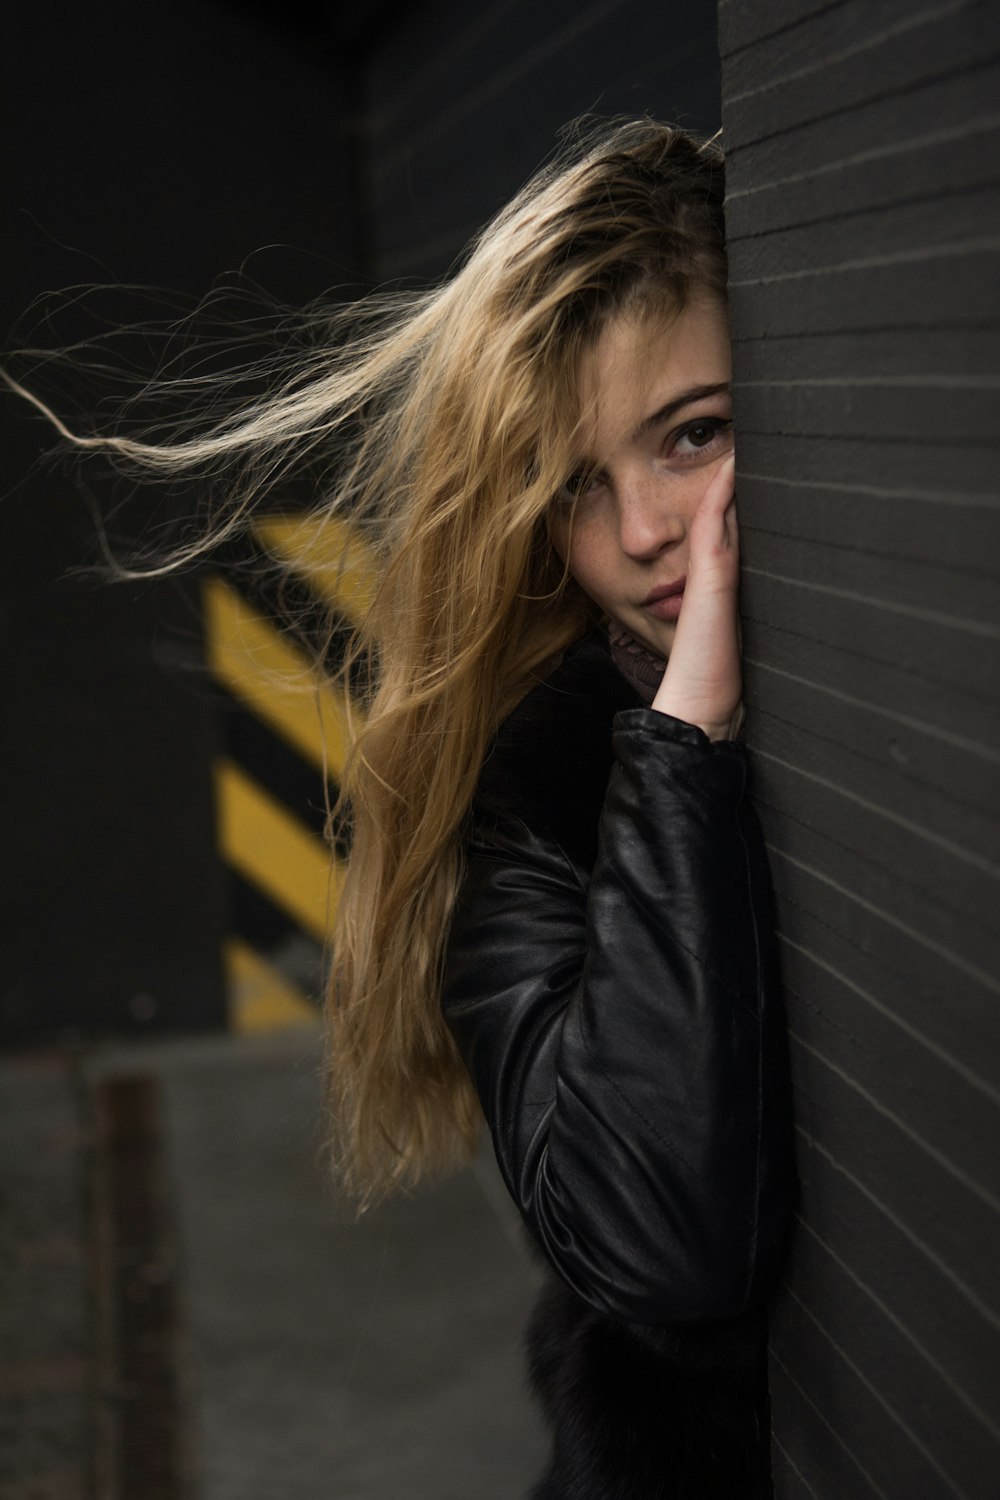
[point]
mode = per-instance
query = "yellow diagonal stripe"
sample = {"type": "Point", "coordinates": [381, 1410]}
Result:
{"type": "Point", "coordinates": [273, 851]}
{"type": "Point", "coordinates": [258, 665]}
{"type": "Point", "coordinates": [261, 998]}
{"type": "Point", "coordinates": [329, 553]}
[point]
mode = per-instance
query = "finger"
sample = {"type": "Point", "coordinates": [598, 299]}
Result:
{"type": "Point", "coordinates": [721, 490]}
{"type": "Point", "coordinates": [717, 510]}
{"type": "Point", "coordinates": [730, 524]}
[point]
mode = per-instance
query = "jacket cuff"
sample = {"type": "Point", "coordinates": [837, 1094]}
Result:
{"type": "Point", "coordinates": [669, 729]}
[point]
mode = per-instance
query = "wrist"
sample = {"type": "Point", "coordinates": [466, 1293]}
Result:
{"type": "Point", "coordinates": [714, 729]}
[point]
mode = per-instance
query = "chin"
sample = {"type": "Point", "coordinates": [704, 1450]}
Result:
{"type": "Point", "coordinates": [657, 635]}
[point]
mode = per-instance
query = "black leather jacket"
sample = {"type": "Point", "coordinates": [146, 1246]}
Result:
{"type": "Point", "coordinates": [611, 981]}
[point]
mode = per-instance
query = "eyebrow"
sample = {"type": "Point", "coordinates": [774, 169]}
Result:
{"type": "Point", "coordinates": [686, 398]}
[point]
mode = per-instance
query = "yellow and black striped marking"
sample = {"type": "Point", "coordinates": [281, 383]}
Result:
{"type": "Point", "coordinates": [286, 737]}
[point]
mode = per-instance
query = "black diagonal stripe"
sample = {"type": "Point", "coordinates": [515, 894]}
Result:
{"type": "Point", "coordinates": [291, 604]}
{"type": "Point", "coordinates": [291, 779]}
{"type": "Point", "coordinates": [272, 933]}
{"type": "Point", "coordinates": [273, 762]}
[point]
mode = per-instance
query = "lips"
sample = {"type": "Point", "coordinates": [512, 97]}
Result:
{"type": "Point", "coordinates": [664, 603]}
{"type": "Point", "coordinates": [665, 591]}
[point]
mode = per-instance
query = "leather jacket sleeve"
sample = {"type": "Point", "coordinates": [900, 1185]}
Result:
{"type": "Point", "coordinates": [624, 1030]}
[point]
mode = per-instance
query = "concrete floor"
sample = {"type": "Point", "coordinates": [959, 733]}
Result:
{"type": "Point", "coordinates": [318, 1357]}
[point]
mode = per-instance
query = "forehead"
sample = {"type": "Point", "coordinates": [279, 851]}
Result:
{"type": "Point", "coordinates": [640, 364]}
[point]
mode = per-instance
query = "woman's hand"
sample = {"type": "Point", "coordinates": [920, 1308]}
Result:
{"type": "Point", "coordinates": [703, 682]}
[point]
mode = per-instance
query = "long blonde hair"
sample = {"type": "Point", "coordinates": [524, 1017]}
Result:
{"type": "Point", "coordinates": [451, 414]}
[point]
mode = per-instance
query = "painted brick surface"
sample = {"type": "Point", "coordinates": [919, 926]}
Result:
{"type": "Point", "coordinates": [863, 213]}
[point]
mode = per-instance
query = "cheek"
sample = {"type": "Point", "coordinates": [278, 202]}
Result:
{"type": "Point", "coordinates": [589, 554]}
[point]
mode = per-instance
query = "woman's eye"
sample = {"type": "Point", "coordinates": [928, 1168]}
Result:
{"type": "Point", "coordinates": [702, 436]}
{"type": "Point", "coordinates": [575, 488]}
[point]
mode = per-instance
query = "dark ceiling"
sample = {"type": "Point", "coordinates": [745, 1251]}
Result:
{"type": "Point", "coordinates": [319, 26]}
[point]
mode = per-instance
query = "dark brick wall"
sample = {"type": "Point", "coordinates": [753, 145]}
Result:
{"type": "Point", "coordinates": [863, 222]}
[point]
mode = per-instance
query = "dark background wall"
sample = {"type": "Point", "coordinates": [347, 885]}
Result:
{"type": "Point", "coordinates": [863, 224]}
{"type": "Point", "coordinates": [462, 105]}
{"type": "Point", "coordinates": [165, 148]}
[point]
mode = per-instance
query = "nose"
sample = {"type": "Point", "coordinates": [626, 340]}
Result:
{"type": "Point", "coordinates": [650, 519]}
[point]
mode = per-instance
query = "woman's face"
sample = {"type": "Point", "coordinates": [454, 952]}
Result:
{"type": "Point", "coordinates": [658, 422]}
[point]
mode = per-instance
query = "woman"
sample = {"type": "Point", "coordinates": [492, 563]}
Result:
{"type": "Point", "coordinates": [558, 887]}
{"type": "Point", "coordinates": [556, 913]}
